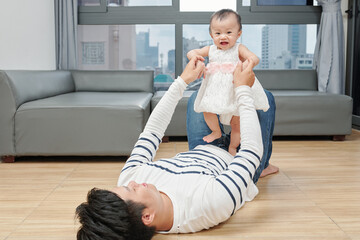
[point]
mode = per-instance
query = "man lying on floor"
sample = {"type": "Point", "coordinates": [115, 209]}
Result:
{"type": "Point", "coordinates": [192, 191]}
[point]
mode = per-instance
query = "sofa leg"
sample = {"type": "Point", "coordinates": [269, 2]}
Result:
{"type": "Point", "coordinates": [8, 159]}
{"type": "Point", "coordinates": [338, 138]}
{"type": "Point", "coordinates": [165, 139]}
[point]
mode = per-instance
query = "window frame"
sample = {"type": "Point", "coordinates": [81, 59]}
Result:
{"type": "Point", "coordinates": [102, 8]}
{"type": "Point", "coordinates": [253, 14]}
{"type": "Point", "coordinates": [283, 8]}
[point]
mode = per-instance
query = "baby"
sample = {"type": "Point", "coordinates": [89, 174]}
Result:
{"type": "Point", "coordinates": [216, 93]}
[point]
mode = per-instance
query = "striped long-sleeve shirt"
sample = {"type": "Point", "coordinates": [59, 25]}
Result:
{"type": "Point", "coordinates": [206, 185]}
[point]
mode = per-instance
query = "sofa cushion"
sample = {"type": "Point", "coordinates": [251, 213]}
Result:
{"type": "Point", "coordinates": [66, 124]}
{"type": "Point", "coordinates": [298, 113]}
{"type": "Point", "coordinates": [177, 126]}
{"type": "Point", "coordinates": [312, 113]}
{"type": "Point", "coordinates": [287, 79]}
{"type": "Point", "coordinates": [114, 81]}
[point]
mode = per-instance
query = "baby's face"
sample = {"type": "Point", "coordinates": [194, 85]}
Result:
{"type": "Point", "coordinates": [225, 32]}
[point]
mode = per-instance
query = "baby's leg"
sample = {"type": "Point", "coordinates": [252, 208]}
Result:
{"type": "Point", "coordinates": [212, 121]}
{"type": "Point", "coordinates": [235, 134]}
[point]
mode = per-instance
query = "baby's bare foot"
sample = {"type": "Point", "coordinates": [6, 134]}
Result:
{"type": "Point", "coordinates": [212, 136]}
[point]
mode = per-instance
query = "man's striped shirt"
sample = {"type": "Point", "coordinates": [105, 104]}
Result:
{"type": "Point", "coordinates": [206, 185]}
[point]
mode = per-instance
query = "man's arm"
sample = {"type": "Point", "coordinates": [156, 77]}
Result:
{"type": "Point", "coordinates": [234, 181]}
{"type": "Point", "coordinates": [250, 129]}
{"type": "Point", "coordinates": [149, 140]}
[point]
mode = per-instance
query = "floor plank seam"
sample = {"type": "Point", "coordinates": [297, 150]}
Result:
{"type": "Point", "coordinates": [41, 201]}
{"type": "Point", "coordinates": [320, 208]}
{"type": "Point", "coordinates": [337, 224]}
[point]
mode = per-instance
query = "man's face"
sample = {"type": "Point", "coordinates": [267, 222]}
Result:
{"type": "Point", "coordinates": [147, 194]}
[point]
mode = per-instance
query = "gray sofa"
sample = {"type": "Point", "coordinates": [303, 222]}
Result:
{"type": "Point", "coordinates": [301, 109]}
{"type": "Point", "coordinates": [103, 112]}
{"type": "Point", "coordinates": [72, 112]}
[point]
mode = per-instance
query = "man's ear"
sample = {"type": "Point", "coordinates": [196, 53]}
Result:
{"type": "Point", "coordinates": [147, 217]}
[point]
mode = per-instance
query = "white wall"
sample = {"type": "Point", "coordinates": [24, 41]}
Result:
{"type": "Point", "coordinates": [27, 35]}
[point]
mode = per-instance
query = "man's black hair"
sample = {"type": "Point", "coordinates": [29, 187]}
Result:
{"type": "Point", "coordinates": [223, 13]}
{"type": "Point", "coordinates": [105, 216]}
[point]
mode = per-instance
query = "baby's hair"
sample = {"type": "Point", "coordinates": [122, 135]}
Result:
{"type": "Point", "coordinates": [223, 13]}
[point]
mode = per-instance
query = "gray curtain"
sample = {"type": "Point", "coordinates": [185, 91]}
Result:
{"type": "Point", "coordinates": [66, 34]}
{"type": "Point", "coordinates": [329, 56]}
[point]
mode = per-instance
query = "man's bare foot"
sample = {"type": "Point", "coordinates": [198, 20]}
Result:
{"type": "Point", "coordinates": [212, 136]}
{"type": "Point", "coordinates": [232, 150]}
{"type": "Point", "coordinates": [271, 169]}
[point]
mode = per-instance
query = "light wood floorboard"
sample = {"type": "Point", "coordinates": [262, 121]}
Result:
{"type": "Point", "coordinates": [316, 194]}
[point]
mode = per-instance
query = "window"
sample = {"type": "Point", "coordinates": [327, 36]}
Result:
{"type": "Point", "coordinates": [284, 6]}
{"type": "Point", "coordinates": [115, 32]}
{"type": "Point", "coordinates": [286, 2]}
{"type": "Point", "coordinates": [128, 47]}
{"type": "Point", "coordinates": [204, 6]}
{"type": "Point", "coordinates": [133, 3]}
{"type": "Point", "coordinates": [89, 2]}
{"type": "Point", "coordinates": [277, 46]}
{"type": "Point", "coordinates": [281, 2]}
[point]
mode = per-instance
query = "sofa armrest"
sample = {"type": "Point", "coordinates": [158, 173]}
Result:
{"type": "Point", "coordinates": [29, 85]}
{"type": "Point", "coordinates": [21, 86]}
{"type": "Point", "coordinates": [8, 109]}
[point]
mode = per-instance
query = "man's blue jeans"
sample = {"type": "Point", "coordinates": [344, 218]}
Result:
{"type": "Point", "coordinates": [197, 128]}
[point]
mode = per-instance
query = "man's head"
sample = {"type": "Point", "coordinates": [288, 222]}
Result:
{"type": "Point", "coordinates": [106, 216]}
{"type": "Point", "coordinates": [145, 194]}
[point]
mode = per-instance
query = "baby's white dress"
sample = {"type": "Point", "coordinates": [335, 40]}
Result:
{"type": "Point", "coordinates": [216, 93]}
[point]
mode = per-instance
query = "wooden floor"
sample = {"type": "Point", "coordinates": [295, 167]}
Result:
{"type": "Point", "coordinates": [316, 195]}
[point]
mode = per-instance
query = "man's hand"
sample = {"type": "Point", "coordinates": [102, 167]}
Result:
{"type": "Point", "coordinates": [193, 70]}
{"type": "Point", "coordinates": [245, 64]}
{"type": "Point", "coordinates": [244, 76]}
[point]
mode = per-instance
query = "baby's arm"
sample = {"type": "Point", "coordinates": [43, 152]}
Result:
{"type": "Point", "coordinates": [245, 54]}
{"type": "Point", "coordinates": [203, 52]}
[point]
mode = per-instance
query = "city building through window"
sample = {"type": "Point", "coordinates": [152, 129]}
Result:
{"type": "Point", "coordinates": [177, 26]}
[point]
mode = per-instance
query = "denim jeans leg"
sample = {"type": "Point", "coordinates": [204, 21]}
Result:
{"type": "Point", "coordinates": [196, 126]}
{"type": "Point", "coordinates": [267, 121]}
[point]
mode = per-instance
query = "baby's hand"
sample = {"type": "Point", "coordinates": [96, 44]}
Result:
{"type": "Point", "coordinates": [193, 54]}
{"type": "Point", "coordinates": [197, 57]}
